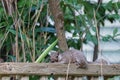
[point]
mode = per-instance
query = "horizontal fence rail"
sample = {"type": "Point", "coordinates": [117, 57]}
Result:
{"type": "Point", "coordinates": [24, 70]}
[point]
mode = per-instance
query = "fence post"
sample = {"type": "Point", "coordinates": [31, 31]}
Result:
{"type": "Point", "coordinates": [24, 77]}
{"type": "Point", "coordinates": [78, 78]}
{"type": "Point", "coordinates": [0, 77]}
{"type": "Point", "coordinates": [5, 78]}
{"type": "Point", "coordinates": [61, 78]}
{"type": "Point", "coordinates": [43, 78]}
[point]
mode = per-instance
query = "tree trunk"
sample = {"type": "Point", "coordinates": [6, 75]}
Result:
{"type": "Point", "coordinates": [95, 53]}
{"type": "Point", "coordinates": [96, 47]}
{"type": "Point", "coordinates": [59, 23]}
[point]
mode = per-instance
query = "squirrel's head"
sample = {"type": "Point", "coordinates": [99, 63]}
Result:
{"type": "Point", "coordinates": [54, 56]}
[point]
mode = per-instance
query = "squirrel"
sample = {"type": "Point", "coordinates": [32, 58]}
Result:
{"type": "Point", "coordinates": [101, 60]}
{"type": "Point", "coordinates": [72, 56]}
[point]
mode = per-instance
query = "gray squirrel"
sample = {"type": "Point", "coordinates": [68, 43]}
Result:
{"type": "Point", "coordinates": [72, 56]}
{"type": "Point", "coordinates": [75, 56]}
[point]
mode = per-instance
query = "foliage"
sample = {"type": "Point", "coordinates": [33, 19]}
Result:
{"type": "Point", "coordinates": [83, 23]}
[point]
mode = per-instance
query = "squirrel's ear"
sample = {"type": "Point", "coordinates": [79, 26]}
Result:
{"type": "Point", "coordinates": [53, 53]}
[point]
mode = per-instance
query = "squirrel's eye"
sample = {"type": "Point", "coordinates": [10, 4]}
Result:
{"type": "Point", "coordinates": [57, 56]}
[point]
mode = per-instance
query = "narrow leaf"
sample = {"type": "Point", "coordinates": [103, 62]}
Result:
{"type": "Point", "coordinates": [44, 54]}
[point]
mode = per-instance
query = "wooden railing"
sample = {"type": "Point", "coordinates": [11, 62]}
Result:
{"type": "Point", "coordinates": [59, 71]}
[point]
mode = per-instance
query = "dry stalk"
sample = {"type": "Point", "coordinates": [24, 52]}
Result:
{"type": "Point", "coordinates": [33, 31]}
{"type": "Point", "coordinates": [98, 36]}
{"type": "Point", "coordinates": [68, 68]}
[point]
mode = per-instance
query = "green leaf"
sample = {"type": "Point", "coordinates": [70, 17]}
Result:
{"type": "Point", "coordinates": [115, 31]}
{"type": "Point", "coordinates": [94, 40]}
{"type": "Point", "coordinates": [44, 54]}
{"type": "Point", "coordinates": [46, 29]}
{"type": "Point", "coordinates": [12, 31]}
{"type": "Point", "coordinates": [89, 36]}
{"type": "Point", "coordinates": [107, 38]}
